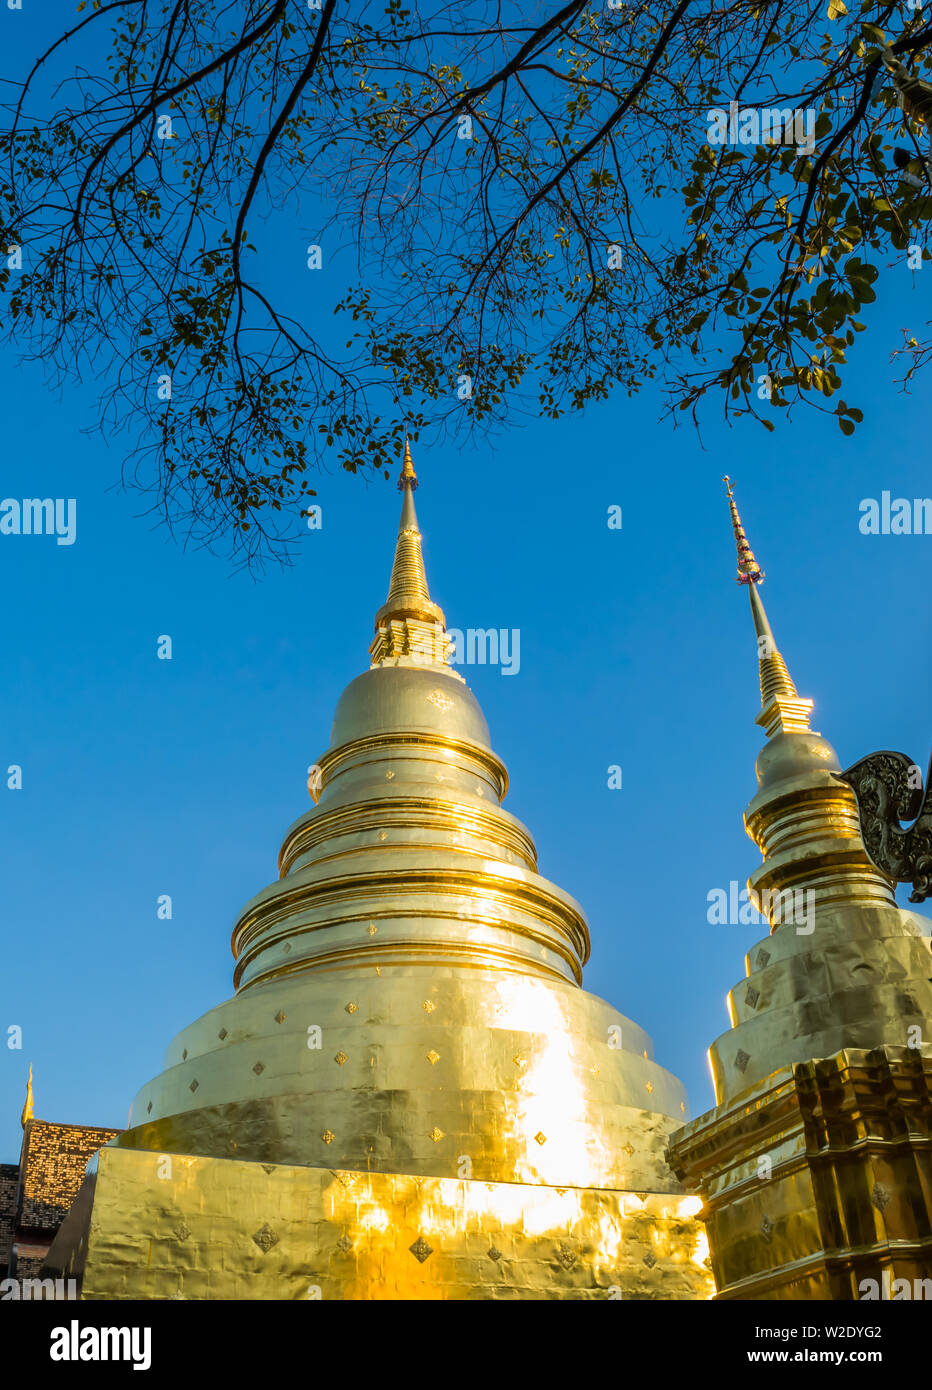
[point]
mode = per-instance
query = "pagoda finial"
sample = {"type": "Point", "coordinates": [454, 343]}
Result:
{"type": "Point", "coordinates": [409, 627]}
{"type": "Point", "coordinates": [408, 477]}
{"type": "Point", "coordinates": [749, 571]}
{"type": "Point", "coordinates": [782, 710]}
{"type": "Point", "coordinates": [28, 1105]}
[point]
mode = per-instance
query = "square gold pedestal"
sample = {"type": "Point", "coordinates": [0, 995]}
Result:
{"type": "Point", "coordinates": [819, 1178]}
{"type": "Point", "coordinates": [170, 1226]}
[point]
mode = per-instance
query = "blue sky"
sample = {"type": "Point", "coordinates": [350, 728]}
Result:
{"type": "Point", "coordinates": [144, 777]}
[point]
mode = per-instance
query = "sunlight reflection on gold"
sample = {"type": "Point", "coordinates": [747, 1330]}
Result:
{"type": "Point", "coordinates": [553, 1095]}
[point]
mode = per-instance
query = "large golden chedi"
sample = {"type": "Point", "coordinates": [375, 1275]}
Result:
{"type": "Point", "coordinates": [409, 1095]}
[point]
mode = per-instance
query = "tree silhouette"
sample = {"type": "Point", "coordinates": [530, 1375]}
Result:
{"type": "Point", "coordinates": [540, 210]}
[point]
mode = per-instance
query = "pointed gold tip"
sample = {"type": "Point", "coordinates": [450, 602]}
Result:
{"type": "Point", "coordinates": [28, 1106]}
{"type": "Point", "coordinates": [782, 710]}
{"type": "Point", "coordinates": [408, 476]}
{"type": "Point", "coordinates": [749, 571]}
{"type": "Point", "coordinates": [409, 627]}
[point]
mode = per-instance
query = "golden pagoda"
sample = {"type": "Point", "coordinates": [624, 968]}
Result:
{"type": "Point", "coordinates": [409, 1096]}
{"type": "Point", "coordinates": [815, 1166]}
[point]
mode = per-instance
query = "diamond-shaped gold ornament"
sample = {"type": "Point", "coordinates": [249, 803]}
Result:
{"type": "Point", "coordinates": [265, 1238]}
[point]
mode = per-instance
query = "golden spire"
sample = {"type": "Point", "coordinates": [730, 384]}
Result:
{"type": "Point", "coordinates": [782, 710]}
{"type": "Point", "coordinates": [409, 628]}
{"type": "Point", "coordinates": [408, 476]}
{"type": "Point", "coordinates": [749, 571]}
{"type": "Point", "coordinates": [408, 588]}
{"type": "Point", "coordinates": [28, 1111]}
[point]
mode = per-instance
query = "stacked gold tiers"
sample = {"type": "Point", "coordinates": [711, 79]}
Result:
{"type": "Point", "coordinates": [409, 1059]}
{"type": "Point", "coordinates": [816, 1164]}
{"type": "Point", "coordinates": [855, 973]}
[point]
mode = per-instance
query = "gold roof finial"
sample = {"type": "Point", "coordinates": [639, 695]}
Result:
{"type": "Point", "coordinates": [409, 627]}
{"type": "Point", "coordinates": [782, 710]}
{"type": "Point", "coordinates": [28, 1105]}
{"type": "Point", "coordinates": [749, 571]}
{"type": "Point", "coordinates": [408, 477]}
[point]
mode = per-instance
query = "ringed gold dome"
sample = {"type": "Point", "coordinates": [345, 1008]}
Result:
{"type": "Point", "coordinates": [409, 1026]}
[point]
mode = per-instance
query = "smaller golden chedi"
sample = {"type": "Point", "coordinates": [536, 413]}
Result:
{"type": "Point", "coordinates": [815, 1166]}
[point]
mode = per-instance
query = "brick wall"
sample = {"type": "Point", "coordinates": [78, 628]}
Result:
{"type": "Point", "coordinates": [54, 1160]}
{"type": "Point", "coordinates": [52, 1164]}
{"type": "Point", "coordinates": [9, 1182]}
